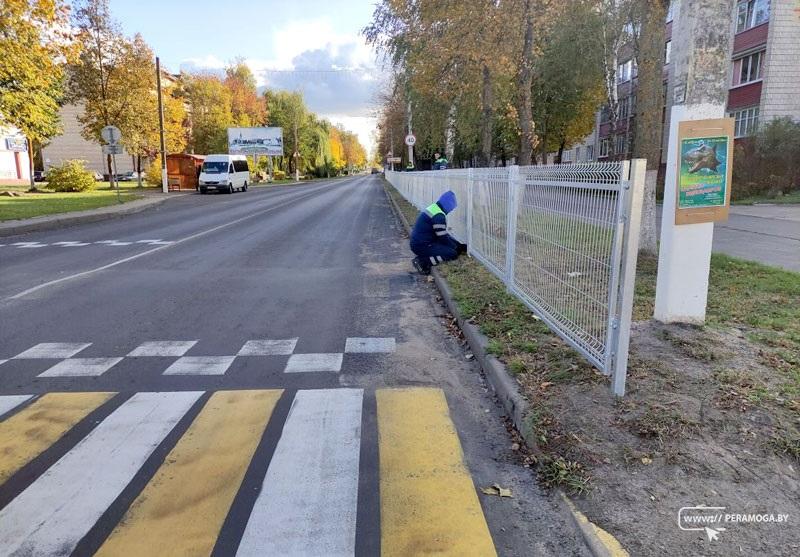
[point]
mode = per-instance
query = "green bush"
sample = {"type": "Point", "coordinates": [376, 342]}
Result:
{"type": "Point", "coordinates": [278, 174]}
{"type": "Point", "coordinates": [70, 175]}
{"type": "Point", "coordinates": [153, 173]}
{"type": "Point", "coordinates": [768, 164]}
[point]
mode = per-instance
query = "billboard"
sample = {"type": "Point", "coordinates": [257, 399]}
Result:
{"type": "Point", "coordinates": [255, 141]}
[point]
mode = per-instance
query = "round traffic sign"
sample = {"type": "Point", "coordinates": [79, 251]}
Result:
{"type": "Point", "coordinates": [111, 134]}
{"type": "Point", "coordinates": [410, 140]}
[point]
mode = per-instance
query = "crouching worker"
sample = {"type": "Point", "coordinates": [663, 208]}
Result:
{"type": "Point", "coordinates": [429, 239]}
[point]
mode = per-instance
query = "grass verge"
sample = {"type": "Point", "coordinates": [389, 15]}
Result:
{"type": "Point", "coordinates": [791, 197]}
{"type": "Point", "coordinates": [30, 205]}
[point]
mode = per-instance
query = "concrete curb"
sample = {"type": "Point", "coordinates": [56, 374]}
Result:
{"type": "Point", "coordinates": [599, 542]}
{"type": "Point", "coordinates": [61, 220]}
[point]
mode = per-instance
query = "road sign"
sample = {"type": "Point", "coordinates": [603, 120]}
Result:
{"type": "Point", "coordinates": [112, 149]}
{"type": "Point", "coordinates": [394, 159]}
{"type": "Point", "coordinates": [111, 134]}
{"type": "Point", "coordinates": [410, 140]}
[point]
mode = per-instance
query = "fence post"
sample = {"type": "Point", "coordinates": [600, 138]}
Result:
{"type": "Point", "coordinates": [470, 187]}
{"type": "Point", "coordinates": [634, 195]}
{"type": "Point", "coordinates": [511, 224]}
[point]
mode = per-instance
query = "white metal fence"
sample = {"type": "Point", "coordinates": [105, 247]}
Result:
{"type": "Point", "coordinates": [575, 237]}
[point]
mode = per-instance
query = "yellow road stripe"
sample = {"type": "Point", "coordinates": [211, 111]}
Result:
{"type": "Point", "coordinates": [26, 434]}
{"type": "Point", "coordinates": [428, 501]}
{"type": "Point", "coordinates": [182, 508]}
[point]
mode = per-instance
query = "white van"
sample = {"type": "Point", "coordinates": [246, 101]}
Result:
{"type": "Point", "coordinates": [225, 173]}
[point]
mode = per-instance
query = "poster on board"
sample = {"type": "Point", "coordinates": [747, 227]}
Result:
{"type": "Point", "coordinates": [255, 141]}
{"type": "Point", "coordinates": [705, 164]}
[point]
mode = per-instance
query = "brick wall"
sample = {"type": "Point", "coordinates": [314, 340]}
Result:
{"type": "Point", "coordinates": [70, 145]}
{"type": "Point", "coordinates": [780, 92]}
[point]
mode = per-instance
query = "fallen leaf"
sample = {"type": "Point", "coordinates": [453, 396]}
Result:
{"type": "Point", "coordinates": [515, 446]}
{"type": "Point", "coordinates": [469, 356]}
{"type": "Point", "coordinates": [646, 460]}
{"type": "Point", "coordinates": [545, 384]}
{"type": "Point", "coordinates": [495, 489]}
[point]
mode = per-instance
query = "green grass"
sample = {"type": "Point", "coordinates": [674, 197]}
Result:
{"type": "Point", "coordinates": [791, 197]}
{"type": "Point", "coordinates": [49, 203]}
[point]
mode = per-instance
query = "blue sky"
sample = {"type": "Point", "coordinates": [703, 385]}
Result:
{"type": "Point", "coordinates": [306, 35]}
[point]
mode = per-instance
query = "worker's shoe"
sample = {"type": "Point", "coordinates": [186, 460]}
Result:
{"type": "Point", "coordinates": [421, 269]}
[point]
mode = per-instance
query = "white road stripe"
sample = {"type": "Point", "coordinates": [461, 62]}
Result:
{"type": "Point", "coordinates": [62, 505]}
{"type": "Point", "coordinates": [9, 402]}
{"type": "Point", "coordinates": [200, 365]}
{"type": "Point", "coordinates": [306, 363]}
{"type": "Point", "coordinates": [53, 350]}
{"type": "Point", "coordinates": [163, 348]}
{"type": "Point", "coordinates": [369, 345]}
{"type": "Point", "coordinates": [307, 504]}
{"type": "Point", "coordinates": [81, 367]}
{"type": "Point", "coordinates": [282, 347]}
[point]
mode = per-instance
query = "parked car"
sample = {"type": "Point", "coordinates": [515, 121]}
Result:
{"type": "Point", "coordinates": [128, 177]}
{"type": "Point", "coordinates": [98, 177]}
{"type": "Point", "coordinates": [224, 173]}
{"type": "Point", "coordinates": [38, 176]}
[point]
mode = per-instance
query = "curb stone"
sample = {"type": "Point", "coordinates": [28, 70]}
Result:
{"type": "Point", "coordinates": [62, 220]}
{"type": "Point", "coordinates": [599, 542]}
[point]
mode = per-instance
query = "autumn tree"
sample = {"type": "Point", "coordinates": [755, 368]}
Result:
{"type": "Point", "coordinates": [33, 47]}
{"type": "Point", "coordinates": [288, 111]}
{"type": "Point", "coordinates": [247, 106]}
{"type": "Point", "coordinates": [211, 113]}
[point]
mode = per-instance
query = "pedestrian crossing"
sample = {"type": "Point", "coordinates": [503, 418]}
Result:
{"type": "Point", "coordinates": [79, 244]}
{"type": "Point", "coordinates": [190, 454]}
{"type": "Point", "coordinates": [70, 365]}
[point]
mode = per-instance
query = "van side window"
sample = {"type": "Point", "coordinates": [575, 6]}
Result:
{"type": "Point", "coordinates": [240, 166]}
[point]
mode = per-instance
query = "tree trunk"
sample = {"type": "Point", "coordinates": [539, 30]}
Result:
{"type": "Point", "coordinates": [650, 103]}
{"type": "Point", "coordinates": [111, 178]}
{"type": "Point", "coordinates": [561, 150]}
{"type": "Point", "coordinates": [30, 164]}
{"type": "Point", "coordinates": [139, 170]}
{"type": "Point", "coordinates": [524, 83]}
{"type": "Point", "coordinates": [486, 117]}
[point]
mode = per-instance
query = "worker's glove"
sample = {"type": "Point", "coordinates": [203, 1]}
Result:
{"type": "Point", "coordinates": [461, 248]}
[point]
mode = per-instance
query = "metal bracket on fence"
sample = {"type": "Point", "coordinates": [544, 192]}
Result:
{"type": "Point", "coordinates": [511, 223]}
{"type": "Point", "coordinates": [627, 275]}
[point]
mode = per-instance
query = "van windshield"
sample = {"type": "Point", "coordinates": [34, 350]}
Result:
{"type": "Point", "coordinates": [220, 167]}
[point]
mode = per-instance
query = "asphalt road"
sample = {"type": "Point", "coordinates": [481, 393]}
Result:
{"type": "Point", "coordinates": [252, 374]}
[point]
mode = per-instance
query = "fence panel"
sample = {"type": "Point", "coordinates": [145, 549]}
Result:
{"type": "Point", "coordinates": [574, 231]}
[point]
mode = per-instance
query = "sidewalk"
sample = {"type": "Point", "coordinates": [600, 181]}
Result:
{"type": "Point", "coordinates": [50, 222]}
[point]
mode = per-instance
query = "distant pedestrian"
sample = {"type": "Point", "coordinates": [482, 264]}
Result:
{"type": "Point", "coordinates": [439, 162]}
{"type": "Point", "coordinates": [429, 239]}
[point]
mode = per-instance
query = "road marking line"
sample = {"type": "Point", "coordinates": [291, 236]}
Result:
{"type": "Point", "coordinates": [306, 363]}
{"type": "Point", "coordinates": [428, 501]}
{"type": "Point", "coordinates": [81, 367]}
{"type": "Point", "coordinates": [162, 348]}
{"type": "Point", "coordinates": [293, 200]}
{"type": "Point", "coordinates": [52, 350]}
{"type": "Point", "coordinates": [307, 504]}
{"type": "Point", "coordinates": [268, 347]}
{"type": "Point", "coordinates": [52, 515]}
{"type": "Point", "coordinates": [2, 362]}
{"type": "Point", "coordinates": [183, 507]}
{"type": "Point", "coordinates": [369, 345]}
{"type": "Point", "coordinates": [9, 402]}
{"type": "Point", "coordinates": [30, 431]}
{"type": "Point", "coordinates": [200, 365]}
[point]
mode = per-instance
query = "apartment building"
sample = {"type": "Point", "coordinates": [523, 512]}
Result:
{"type": "Point", "coordinates": [763, 81]}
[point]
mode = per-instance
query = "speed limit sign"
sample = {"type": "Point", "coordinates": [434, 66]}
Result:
{"type": "Point", "coordinates": [410, 140]}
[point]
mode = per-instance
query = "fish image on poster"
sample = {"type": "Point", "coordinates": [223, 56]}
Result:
{"type": "Point", "coordinates": [703, 177]}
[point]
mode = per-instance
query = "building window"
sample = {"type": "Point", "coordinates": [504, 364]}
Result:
{"type": "Point", "coordinates": [748, 69]}
{"type": "Point", "coordinates": [577, 154]}
{"type": "Point", "coordinates": [566, 156]}
{"type": "Point", "coordinates": [669, 12]}
{"type": "Point", "coordinates": [746, 121]}
{"type": "Point", "coordinates": [605, 143]}
{"type": "Point", "coordinates": [667, 52]}
{"type": "Point", "coordinates": [625, 71]}
{"type": "Point", "coordinates": [750, 13]}
{"type": "Point", "coordinates": [589, 153]}
{"type": "Point", "coordinates": [620, 144]}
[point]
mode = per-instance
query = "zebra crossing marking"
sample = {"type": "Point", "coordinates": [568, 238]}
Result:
{"type": "Point", "coordinates": [156, 348]}
{"type": "Point", "coordinates": [177, 515]}
{"type": "Point", "coordinates": [33, 429]}
{"type": "Point", "coordinates": [52, 515]}
{"type": "Point", "coordinates": [9, 402]}
{"type": "Point", "coordinates": [81, 367]}
{"type": "Point", "coordinates": [305, 363]}
{"type": "Point", "coordinates": [369, 345]}
{"type": "Point", "coordinates": [52, 350]}
{"type": "Point", "coordinates": [310, 508]}
{"type": "Point", "coordinates": [268, 347]}
{"type": "Point", "coordinates": [428, 500]}
{"type": "Point", "coordinates": [78, 243]}
{"type": "Point", "coordinates": [200, 365]}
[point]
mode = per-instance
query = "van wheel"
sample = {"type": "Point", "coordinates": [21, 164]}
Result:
{"type": "Point", "coordinates": [230, 188]}
{"type": "Point", "coordinates": [244, 188]}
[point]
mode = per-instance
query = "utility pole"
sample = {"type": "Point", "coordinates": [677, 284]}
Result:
{"type": "Point", "coordinates": [164, 184]}
{"type": "Point", "coordinates": [410, 132]}
{"type": "Point", "coordinates": [700, 57]}
{"type": "Point", "coordinates": [391, 147]}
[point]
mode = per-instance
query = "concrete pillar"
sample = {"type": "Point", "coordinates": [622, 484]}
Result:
{"type": "Point", "coordinates": [701, 42]}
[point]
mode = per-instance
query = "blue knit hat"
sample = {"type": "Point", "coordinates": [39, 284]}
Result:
{"type": "Point", "coordinates": [448, 201]}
